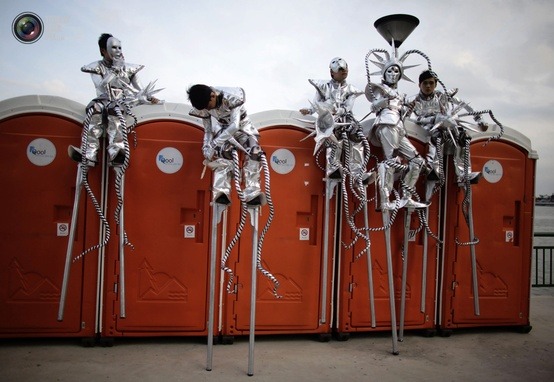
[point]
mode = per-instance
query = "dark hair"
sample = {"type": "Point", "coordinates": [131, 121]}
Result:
{"type": "Point", "coordinates": [426, 74]}
{"type": "Point", "coordinates": [103, 41]}
{"type": "Point", "coordinates": [199, 96]}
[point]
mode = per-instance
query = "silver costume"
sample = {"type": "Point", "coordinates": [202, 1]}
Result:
{"type": "Point", "coordinates": [117, 91]}
{"type": "Point", "coordinates": [337, 97]}
{"type": "Point", "coordinates": [388, 132]}
{"type": "Point", "coordinates": [432, 113]}
{"type": "Point", "coordinates": [116, 83]}
{"type": "Point", "coordinates": [228, 127]}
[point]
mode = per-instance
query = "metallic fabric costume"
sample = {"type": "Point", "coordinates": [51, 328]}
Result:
{"type": "Point", "coordinates": [116, 83]}
{"type": "Point", "coordinates": [338, 98]}
{"type": "Point", "coordinates": [117, 91]}
{"type": "Point", "coordinates": [388, 132]}
{"type": "Point", "coordinates": [432, 114]}
{"type": "Point", "coordinates": [232, 129]}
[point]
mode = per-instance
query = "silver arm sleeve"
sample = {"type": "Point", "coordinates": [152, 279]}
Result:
{"type": "Point", "coordinates": [101, 82]}
{"type": "Point", "coordinates": [208, 133]}
{"type": "Point", "coordinates": [226, 133]}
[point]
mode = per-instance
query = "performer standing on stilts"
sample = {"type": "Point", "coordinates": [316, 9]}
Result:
{"type": "Point", "coordinates": [228, 131]}
{"type": "Point", "coordinates": [442, 117]}
{"type": "Point", "coordinates": [118, 90]}
{"type": "Point", "coordinates": [400, 155]}
{"type": "Point", "coordinates": [347, 154]}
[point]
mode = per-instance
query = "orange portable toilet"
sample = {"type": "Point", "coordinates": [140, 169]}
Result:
{"type": "Point", "coordinates": [353, 308]}
{"type": "Point", "coordinates": [503, 202]}
{"type": "Point", "coordinates": [36, 197]}
{"type": "Point", "coordinates": [293, 246]}
{"type": "Point", "coordinates": [166, 219]}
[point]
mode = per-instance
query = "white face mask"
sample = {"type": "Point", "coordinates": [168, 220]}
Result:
{"type": "Point", "coordinates": [338, 63]}
{"type": "Point", "coordinates": [392, 74]}
{"type": "Point", "coordinates": [113, 48]}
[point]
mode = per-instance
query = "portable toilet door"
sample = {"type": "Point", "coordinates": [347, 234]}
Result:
{"type": "Point", "coordinates": [502, 202]}
{"type": "Point", "coordinates": [166, 219]}
{"type": "Point", "coordinates": [293, 246]}
{"type": "Point", "coordinates": [353, 304]}
{"type": "Point", "coordinates": [36, 198]}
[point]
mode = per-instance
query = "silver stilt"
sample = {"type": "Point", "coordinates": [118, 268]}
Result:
{"type": "Point", "coordinates": [386, 220]}
{"type": "Point", "coordinates": [217, 212]}
{"type": "Point", "coordinates": [72, 229]}
{"type": "Point", "coordinates": [424, 264]}
{"type": "Point", "coordinates": [407, 219]}
{"type": "Point", "coordinates": [473, 259]}
{"type": "Point", "coordinates": [122, 310]}
{"type": "Point", "coordinates": [330, 185]}
{"type": "Point", "coordinates": [104, 232]}
{"type": "Point", "coordinates": [254, 212]}
{"type": "Point", "coordinates": [370, 273]}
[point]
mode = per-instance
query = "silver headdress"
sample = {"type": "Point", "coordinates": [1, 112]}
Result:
{"type": "Point", "coordinates": [395, 29]}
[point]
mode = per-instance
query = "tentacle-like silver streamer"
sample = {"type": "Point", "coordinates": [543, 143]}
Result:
{"type": "Point", "coordinates": [489, 112]}
{"type": "Point", "coordinates": [93, 199]}
{"type": "Point", "coordinates": [121, 172]}
{"type": "Point", "coordinates": [420, 214]}
{"type": "Point", "coordinates": [350, 219]}
{"type": "Point", "coordinates": [267, 187]}
{"type": "Point", "coordinates": [242, 223]}
{"type": "Point", "coordinates": [466, 203]}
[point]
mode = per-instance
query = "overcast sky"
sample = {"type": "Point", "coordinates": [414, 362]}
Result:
{"type": "Point", "coordinates": [499, 53]}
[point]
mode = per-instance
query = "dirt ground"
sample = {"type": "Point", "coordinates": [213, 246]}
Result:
{"type": "Point", "coordinates": [497, 354]}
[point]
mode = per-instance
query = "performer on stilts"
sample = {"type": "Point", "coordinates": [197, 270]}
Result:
{"type": "Point", "coordinates": [400, 155]}
{"type": "Point", "coordinates": [229, 134]}
{"type": "Point", "coordinates": [347, 154]}
{"type": "Point", "coordinates": [118, 90]}
{"type": "Point", "coordinates": [442, 114]}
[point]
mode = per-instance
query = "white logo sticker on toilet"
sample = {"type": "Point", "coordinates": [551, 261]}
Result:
{"type": "Point", "coordinates": [282, 161]}
{"type": "Point", "coordinates": [41, 152]}
{"type": "Point", "coordinates": [492, 171]}
{"type": "Point", "coordinates": [169, 160]}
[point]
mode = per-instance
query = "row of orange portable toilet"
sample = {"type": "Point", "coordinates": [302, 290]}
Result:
{"type": "Point", "coordinates": [168, 221]}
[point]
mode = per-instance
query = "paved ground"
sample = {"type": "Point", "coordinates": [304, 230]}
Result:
{"type": "Point", "coordinates": [468, 355]}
